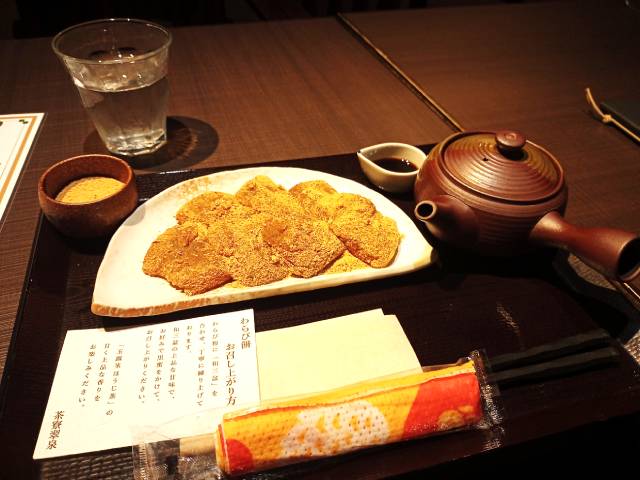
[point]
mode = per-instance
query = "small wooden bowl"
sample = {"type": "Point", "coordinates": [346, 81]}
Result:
{"type": "Point", "coordinates": [90, 219]}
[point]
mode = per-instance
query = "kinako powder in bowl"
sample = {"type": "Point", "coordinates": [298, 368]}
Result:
{"type": "Point", "coordinates": [89, 189]}
{"type": "Point", "coordinates": [89, 195]}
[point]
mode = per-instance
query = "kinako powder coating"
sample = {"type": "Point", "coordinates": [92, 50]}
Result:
{"type": "Point", "coordinates": [89, 189]}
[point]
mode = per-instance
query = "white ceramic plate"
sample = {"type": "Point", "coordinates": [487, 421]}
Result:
{"type": "Point", "coordinates": [123, 290]}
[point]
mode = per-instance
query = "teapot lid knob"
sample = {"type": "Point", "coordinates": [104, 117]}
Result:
{"type": "Point", "coordinates": [509, 141]}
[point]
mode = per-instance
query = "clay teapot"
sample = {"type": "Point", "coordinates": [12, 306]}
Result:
{"type": "Point", "coordinates": [500, 194]}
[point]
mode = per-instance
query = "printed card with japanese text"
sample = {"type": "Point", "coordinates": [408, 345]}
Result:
{"type": "Point", "coordinates": [17, 133]}
{"type": "Point", "coordinates": [183, 373]}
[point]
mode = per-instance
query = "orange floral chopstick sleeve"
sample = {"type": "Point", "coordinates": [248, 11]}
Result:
{"type": "Point", "coordinates": [349, 418]}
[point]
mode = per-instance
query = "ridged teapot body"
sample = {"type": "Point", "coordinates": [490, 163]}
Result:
{"type": "Point", "coordinates": [505, 190]}
{"type": "Point", "coordinates": [499, 194]}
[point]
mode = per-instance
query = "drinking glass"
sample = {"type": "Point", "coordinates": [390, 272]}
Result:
{"type": "Point", "coordinates": [119, 66]}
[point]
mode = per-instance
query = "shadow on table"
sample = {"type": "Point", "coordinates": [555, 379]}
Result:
{"type": "Point", "coordinates": [557, 268]}
{"type": "Point", "coordinates": [190, 141]}
{"type": "Point", "coordinates": [594, 288]}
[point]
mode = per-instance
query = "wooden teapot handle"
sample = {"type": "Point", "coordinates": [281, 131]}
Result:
{"type": "Point", "coordinates": [614, 253]}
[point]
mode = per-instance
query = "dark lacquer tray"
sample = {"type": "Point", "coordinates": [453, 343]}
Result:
{"type": "Point", "coordinates": [463, 302]}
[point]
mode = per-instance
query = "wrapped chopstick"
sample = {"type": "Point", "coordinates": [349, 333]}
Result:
{"type": "Point", "coordinates": [372, 413]}
{"type": "Point", "coordinates": [350, 418]}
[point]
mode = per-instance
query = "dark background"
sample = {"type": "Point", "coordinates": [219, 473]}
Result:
{"type": "Point", "coordinates": [39, 18]}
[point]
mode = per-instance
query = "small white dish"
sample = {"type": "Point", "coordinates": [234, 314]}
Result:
{"type": "Point", "coordinates": [387, 180]}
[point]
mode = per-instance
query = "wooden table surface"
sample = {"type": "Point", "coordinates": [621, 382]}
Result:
{"type": "Point", "coordinates": [265, 92]}
{"type": "Point", "coordinates": [525, 67]}
{"type": "Point", "coordinates": [240, 94]}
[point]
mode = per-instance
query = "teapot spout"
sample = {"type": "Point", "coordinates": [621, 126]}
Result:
{"type": "Point", "coordinates": [449, 219]}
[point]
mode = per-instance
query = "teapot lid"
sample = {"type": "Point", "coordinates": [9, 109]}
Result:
{"type": "Point", "coordinates": [502, 165]}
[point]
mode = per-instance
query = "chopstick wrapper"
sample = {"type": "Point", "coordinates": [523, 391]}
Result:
{"type": "Point", "coordinates": [273, 434]}
{"type": "Point", "coordinates": [354, 417]}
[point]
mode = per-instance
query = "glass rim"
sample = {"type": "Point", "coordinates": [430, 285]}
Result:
{"type": "Point", "coordinates": [56, 40]}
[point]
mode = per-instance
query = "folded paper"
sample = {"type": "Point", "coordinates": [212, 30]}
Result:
{"type": "Point", "coordinates": [320, 356]}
